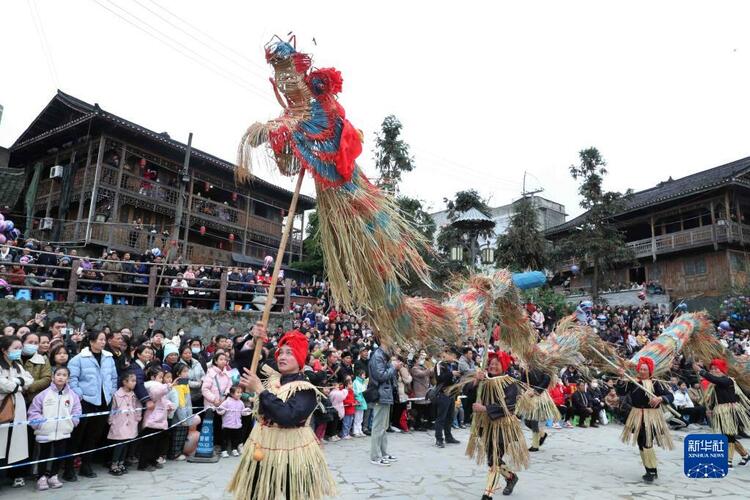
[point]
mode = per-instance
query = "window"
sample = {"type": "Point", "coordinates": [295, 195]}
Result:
{"type": "Point", "coordinates": [738, 262]}
{"type": "Point", "coordinates": [694, 266]}
{"type": "Point", "coordinates": [261, 210]}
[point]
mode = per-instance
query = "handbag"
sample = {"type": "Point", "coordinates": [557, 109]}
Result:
{"type": "Point", "coordinates": [432, 393]}
{"type": "Point", "coordinates": [8, 409]}
{"type": "Point", "coordinates": [371, 393]}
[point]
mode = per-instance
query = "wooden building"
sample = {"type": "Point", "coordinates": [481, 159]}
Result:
{"type": "Point", "coordinates": [691, 235]}
{"type": "Point", "coordinates": [96, 180]}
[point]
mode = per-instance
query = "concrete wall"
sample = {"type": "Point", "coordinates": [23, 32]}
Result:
{"type": "Point", "coordinates": [196, 322]}
{"type": "Point", "coordinates": [624, 298]}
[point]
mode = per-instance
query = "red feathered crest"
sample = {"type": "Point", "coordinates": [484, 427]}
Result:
{"type": "Point", "coordinates": [325, 81]}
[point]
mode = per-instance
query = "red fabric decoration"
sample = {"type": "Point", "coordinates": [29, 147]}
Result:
{"type": "Point", "coordinates": [298, 343]}
{"type": "Point", "coordinates": [350, 148]}
{"type": "Point", "coordinates": [648, 362]}
{"type": "Point", "coordinates": [502, 356]}
{"type": "Point", "coordinates": [720, 364]}
{"type": "Point", "coordinates": [325, 81]}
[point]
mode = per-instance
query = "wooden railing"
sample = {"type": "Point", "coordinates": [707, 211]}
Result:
{"type": "Point", "coordinates": [691, 238]}
{"type": "Point", "coordinates": [151, 287]}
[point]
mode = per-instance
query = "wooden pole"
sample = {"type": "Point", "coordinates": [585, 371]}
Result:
{"type": "Point", "coordinates": [277, 268]}
{"type": "Point", "coordinates": [674, 412]}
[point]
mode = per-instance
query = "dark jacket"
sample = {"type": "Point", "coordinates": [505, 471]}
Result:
{"type": "Point", "coordinates": [290, 413]}
{"type": "Point", "coordinates": [382, 375]}
{"type": "Point", "coordinates": [140, 376]}
{"type": "Point", "coordinates": [444, 375]}
{"type": "Point", "coordinates": [539, 381]}
{"type": "Point", "coordinates": [638, 397]}
{"type": "Point", "coordinates": [581, 400]}
{"type": "Point", "coordinates": [724, 388]}
{"type": "Point", "coordinates": [495, 411]}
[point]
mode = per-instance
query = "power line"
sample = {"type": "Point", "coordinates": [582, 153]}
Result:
{"type": "Point", "coordinates": [207, 35]}
{"type": "Point", "coordinates": [190, 54]}
{"type": "Point", "coordinates": [37, 20]}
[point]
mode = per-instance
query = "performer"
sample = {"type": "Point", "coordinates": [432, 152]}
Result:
{"type": "Point", "coordinates": [495, 430]}
{"type": "Point", "coordinates": [535, 405]}
{"type": "Point", "coordinates": [281, 458]}
{"type": "Point", "coordinates": [646, 424]}
{"type": "Point", "coordinates": [729, 406]}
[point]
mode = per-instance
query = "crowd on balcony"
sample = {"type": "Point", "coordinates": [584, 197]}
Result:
{"type": "Point", "coordinates": [39, 271]}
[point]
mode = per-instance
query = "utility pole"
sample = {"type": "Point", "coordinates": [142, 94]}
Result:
{"type": "Point", "coordinates": [184, 179]}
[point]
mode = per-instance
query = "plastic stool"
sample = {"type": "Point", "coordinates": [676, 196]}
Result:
{"type": "Point", "coordinates": [49, 296]}
{"type": "Point", "coordinates": [108, 299]}
{"type": "Point", "coordinates": [215, 307]}
{"type": "Point", "coordinates": [246, 308]}
{"type": "Point", "coordinates": [23, 294]}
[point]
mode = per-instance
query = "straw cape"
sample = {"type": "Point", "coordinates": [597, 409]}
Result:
{"type": "Point", "coordinates": [651, 420]}
{"type": "Point", "coordinates": [487, 433]}
{"type": "Point", "coordinates": [728, 418]}
{"type": "Point", "coordinates": [539, 407]}
{"type": "Point", "coordinates": [276, 459]}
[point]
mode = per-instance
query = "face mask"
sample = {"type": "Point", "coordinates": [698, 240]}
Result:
{"type": "Point", "coordinates": [594, 385]}
{"type": "Point", "coordinates": [14, 355]}
{"type": "Point", "coordinates": [421, 362]}
{"type": "Point", "coordinates": [29, 349]}
{"type": "Point", "coordinates": [196, 350]}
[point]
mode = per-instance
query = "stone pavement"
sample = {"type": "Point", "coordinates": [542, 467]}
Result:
{"type": "Point", "coordinates": [574, 464]}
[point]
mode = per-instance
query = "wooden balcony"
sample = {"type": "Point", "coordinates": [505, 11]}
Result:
{"type": "Point", "coordinates": [162, 198]}
{"type": "Point", "coordinates": [727, 232]}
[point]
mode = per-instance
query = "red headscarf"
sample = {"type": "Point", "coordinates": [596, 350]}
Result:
{"type": "Point", "coordinates": [298, 343]}
{"type": "Point", "coordinates": [720, 364]}
{"type": "Point", "coordinates": [644, 360]}
{"type": "Point", "coordinates": [503, 357]}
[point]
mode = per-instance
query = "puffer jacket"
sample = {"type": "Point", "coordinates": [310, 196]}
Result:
{"type": "Point", "coordinates": [214, 394]}
{"type": "Point", "coordinates": [195, 376]}
{"type": "Point", "coordinates": [126, 413]}
{"type": "Point", "coordinates": [181, 412]}
{"type": "Point", "coordinates": [88, 379]}
{"type": "Point", "coordinates": [382, 375]}
{"type": "Point", "coordinates": [404, 384]}
{"type": "Point", "coordinates": [60, 407]}
{"type": "Point", "coordinates": [420, 383]}
{"type": "Point", "coordinates": [157, 417]}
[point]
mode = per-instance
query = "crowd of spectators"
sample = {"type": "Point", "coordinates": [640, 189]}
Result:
{"type": "Point", "coordinates": [123, 278]}
{"type": "Point", "coordinates": [159, 385]}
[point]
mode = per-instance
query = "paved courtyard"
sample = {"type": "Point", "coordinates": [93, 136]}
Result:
{"type": "Point", "coordinates": [574, 463]}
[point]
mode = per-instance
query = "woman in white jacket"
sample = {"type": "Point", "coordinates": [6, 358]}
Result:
{"type": "Point", "coordinates": [14, 380]}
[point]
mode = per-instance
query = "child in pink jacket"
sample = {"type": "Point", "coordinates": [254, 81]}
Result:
{"type": "Point", "coordinates": [232, 410]}
{"type": "Point", "coordinates": [123, 421]}
{"type": "Point", "coordinates": [155, 421]}
{"type": "Point", "coordinates": [336, 396]}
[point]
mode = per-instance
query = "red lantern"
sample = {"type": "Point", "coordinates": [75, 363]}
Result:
{"type": "Point", "coordinates": [234, 196]}
{"type": "Point", "coordinates": [202, 230]}
{"type": "Point", "coordinates": [231, 236]}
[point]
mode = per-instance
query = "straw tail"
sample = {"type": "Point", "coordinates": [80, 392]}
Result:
{"type": "Point", "coordinates": [663, 349]}
{"type": "Point", "coordinates": [255, 135]}
{"type": "Point", "coordinates": [704, 346]}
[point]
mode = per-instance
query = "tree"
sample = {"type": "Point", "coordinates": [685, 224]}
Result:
{"type": "Point", "coordinates": [522, 247]}
{"type": "Point", "coordinates": [450, 236]}
{"type": "Point", "coordinates": [597, 243]}
{"type": "Point", "coordinates": [392, 157]}
{"type": "Point", "coordinates": [312, 261]}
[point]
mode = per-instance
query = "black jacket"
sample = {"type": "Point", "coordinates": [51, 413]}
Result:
{"type": "Point", "coordinates": [495, 411]}
{"type": "Point", "coordinates": [290, 413]}
{"type": "Point", "coordinates": [724, 388]}
{"type": "Point", "coordinates": [581, 400]}
{"type": "Point", "coordinates": [539, 381]}
{"type": "Point", "coordinates": [444, 374]}
{"type": "Point", "coordinates": [638, 397]}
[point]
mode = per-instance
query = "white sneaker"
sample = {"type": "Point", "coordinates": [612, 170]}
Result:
{"type": "Point", "coordinates": [161, 460]}
{"type": "Point", "coordinates": [380, 461]}
{"type": "Point", "coordinates": [333, 439]}
{"type": "Point", "coordinates": [240, 447]}
{"type": "Point", "coordinates": [224, 454]}
{"type": "Point", "coordinates": [346, 437]}
{"type": "Point", "coordinates": [181, 458]}
{"type": "Point", "coordinates": [395, 429]}
{"type": "Point", "coordinates": [235, 453]}
{"type": "Point", "coordinates": [556, 426]}
{"type": "Point", "coordinates": [41, 484]}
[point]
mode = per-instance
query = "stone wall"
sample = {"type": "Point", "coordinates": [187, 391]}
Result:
{"type": "Point", "coordinates": [625, 298]}
{"type": "Point", "coordinates": [195, 322]}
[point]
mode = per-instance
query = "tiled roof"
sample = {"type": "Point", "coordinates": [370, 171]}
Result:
{"type": "Point", "coordinates": [88, 110]}
{"type": "Point", "coordinates": [12, 182]}
{"type": "Point", "coordinates": [673, 189]}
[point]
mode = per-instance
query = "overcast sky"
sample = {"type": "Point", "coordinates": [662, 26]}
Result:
{"type": "Point", "coordinates": [485, 90]}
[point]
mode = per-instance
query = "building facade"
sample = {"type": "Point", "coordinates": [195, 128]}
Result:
{"type": "Point", "coordinates": [690, 235]}
{"type": "Point", "coordinates": [549, 214]}
{"type": "Point", "coordinates": [95, 180]}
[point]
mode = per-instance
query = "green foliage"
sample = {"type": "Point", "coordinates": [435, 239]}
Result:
{"type": "Point", "coordinates": [597, 243]}
{"type": "Point", "coordinates": [411, 209]}
{"type": "Point", "coordinates": [547, 298]}
{"type": "Point", "coordinates": [312, 261]}
{"type": "Point", "coordinates": [392, 157]}
{"type": "Point", "coordinates": [449, 236]}
{"type": "Point", "coordinates": [522, 247]}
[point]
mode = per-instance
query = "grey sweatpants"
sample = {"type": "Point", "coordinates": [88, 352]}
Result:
{"type": "Point", "coordinates": [381, 420]}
